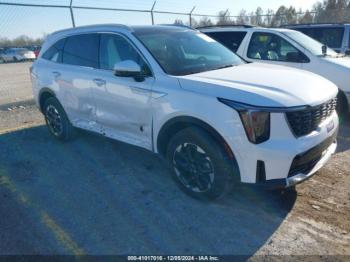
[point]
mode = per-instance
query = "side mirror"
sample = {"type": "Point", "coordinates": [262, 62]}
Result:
{"type": "Point", "coordinates": [324, 50]}
{"type": "Point", "coordinates": [127, 68]}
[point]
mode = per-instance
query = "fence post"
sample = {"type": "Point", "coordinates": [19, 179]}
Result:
{"type": "Point", "coordinates": [152, 14]}
{"type": "Point", "coordinates": [71, 12]}
{"type": "Point", "coordinates": [190, 15]}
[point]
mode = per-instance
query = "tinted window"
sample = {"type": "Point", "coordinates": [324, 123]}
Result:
{"type": "Point", "coordinates": [231, 40]}
{"type": "Point", "coordinates": [114, 49]}
{"type": "Point", "coordinates": [266, 46]}
{"type": "Point", "coordinates": [183, 52]}
{"type": "Point", "coordinates": [82, 50]}
{"type": "Point", "coordinates": [54, 53]}
{"type": "Point", "coordinates": [330, 36]}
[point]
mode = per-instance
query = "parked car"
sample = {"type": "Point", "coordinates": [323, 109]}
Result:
{"type": "Point", "coordinates": [289, 48]}
{"type": "Point", "coordinates": [17, 55]}
{"type": "Point", "coordinates": [335, 36]}
{"type": "Point", "coordinates": [35, 49]}
{"type": "Point", "coordinates": [175, 91]}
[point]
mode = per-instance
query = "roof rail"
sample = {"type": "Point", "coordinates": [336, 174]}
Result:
{"type": "Point", "coordinates": [90, 26]}
{"type": "Point", "coordinates": [178, 25]}
{"type": "Point", "coordinates": [306, 24]}
{"type": "Point", "coordinates": [229, 25]}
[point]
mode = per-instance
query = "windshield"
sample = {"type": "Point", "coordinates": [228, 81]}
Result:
{"type": "Point", "coordinates": [308, 43]}
{"type": "Point", "coordinates": [184, 52]}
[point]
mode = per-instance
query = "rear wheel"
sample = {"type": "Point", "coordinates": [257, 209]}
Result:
{"type": "Point", "coordinates": [199, 164]}
{"type": "Point", "coordinates": [57, 121]}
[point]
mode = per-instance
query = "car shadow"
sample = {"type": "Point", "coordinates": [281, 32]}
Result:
{"type": "Point", "coordinates": [113, 198]}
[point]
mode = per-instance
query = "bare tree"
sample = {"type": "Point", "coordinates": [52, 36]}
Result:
{"type": "Point", "coordinates": [224, 18]}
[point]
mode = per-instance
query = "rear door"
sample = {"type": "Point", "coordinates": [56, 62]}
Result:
{"type": "Point", "coordinates": [74, 78]}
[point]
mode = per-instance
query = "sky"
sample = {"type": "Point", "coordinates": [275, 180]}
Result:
{"type": "Point", "coordinates": [35, 22]}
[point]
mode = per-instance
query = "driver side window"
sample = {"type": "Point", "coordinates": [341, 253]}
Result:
{"type": "Point", "coordinates": [114, 49]}
{"type": "Point", "coordinates": [271, 47]}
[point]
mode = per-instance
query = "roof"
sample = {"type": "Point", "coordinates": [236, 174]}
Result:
{"type": "Point", "coordinates": [120, 27]}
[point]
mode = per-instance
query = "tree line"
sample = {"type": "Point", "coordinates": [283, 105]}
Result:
{"type": "Point", "coordinates": [328, 11]}
{"type": "Point", "coordinates": [21, 41]}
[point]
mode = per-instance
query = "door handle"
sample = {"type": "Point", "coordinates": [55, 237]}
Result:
{"type": "Point", "coordinates": [99, 82]}
{"type": "Point", "coordinates": [56, 74]}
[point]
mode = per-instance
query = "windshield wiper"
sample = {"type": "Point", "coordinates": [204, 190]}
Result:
{"type": "Point", "coordinates": [221, 67]}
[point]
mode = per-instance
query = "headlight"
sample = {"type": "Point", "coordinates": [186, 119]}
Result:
{"type": "Point", "coordinates": [256, 121]}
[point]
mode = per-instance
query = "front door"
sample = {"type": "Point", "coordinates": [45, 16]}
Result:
{"type": "Point", "coordinates": [123, 104]}
{"type": "Point", "coordinates": [271, 48]}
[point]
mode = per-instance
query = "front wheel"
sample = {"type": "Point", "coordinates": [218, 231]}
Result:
{"type": "Point", "coordinates": [57, 121]}
{"type": "Point", "coordinates": [342, 106]}
{"type": "Point", "coordinates": [199, 164]}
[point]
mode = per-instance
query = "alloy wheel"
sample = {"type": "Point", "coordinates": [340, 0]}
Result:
{"type": "Point", "coordinates": [193, 167]}
{"type": "Point", "coordinates": [53, 120]}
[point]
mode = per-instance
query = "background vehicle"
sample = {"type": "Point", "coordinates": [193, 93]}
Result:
{"type": "Point", "coordinates": [17, 55]}
{"type": "Point", "coordinates": [288, 48]}
{"type": "Point", "coordinates": [335, 36]}
{"type": "Point", "coordinates": [35, 49]}
{"type": "Point", "coordinates": [179, 93]}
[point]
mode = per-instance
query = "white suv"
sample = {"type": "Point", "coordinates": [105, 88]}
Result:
{"type": "Point", "coordinates": [289, 48]}
{"type": "Point", "coordinates": [177, 92]}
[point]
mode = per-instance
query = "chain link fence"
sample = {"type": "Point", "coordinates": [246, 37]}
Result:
{"type": "Point", "coordinates": [39, 19]}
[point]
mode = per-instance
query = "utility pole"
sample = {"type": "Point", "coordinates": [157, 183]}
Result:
{"type": "Point", "coordinates": [152, 14]}
{"type": "Point", "coordinates": [71, 12]}
{"type": "Point", "coordinates": [190, 15]}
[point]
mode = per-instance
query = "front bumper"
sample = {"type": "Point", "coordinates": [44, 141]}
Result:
{"type": "Point", "coordinates": [298, 177]}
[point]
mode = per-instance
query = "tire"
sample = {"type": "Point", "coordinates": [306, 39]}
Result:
{"type": "Point", "coordinates": [57, 121]}
{"type": "Point", "coordinates": [2, 61]}
{"type": "Point", "coordinates": [342, 106]}
{"type": "Point", "coordinates": [15, 59]}
{"type": "Point", "coordinates": [216, 176]}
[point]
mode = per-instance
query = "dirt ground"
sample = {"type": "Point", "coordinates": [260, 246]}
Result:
{"type": "Point", "coordinates": [98, 196]}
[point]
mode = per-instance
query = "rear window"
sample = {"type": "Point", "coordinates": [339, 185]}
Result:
{"type": "Point", "coordinates": [82, 50]}
{"type": "Point", "coordinates": [55, 52]}
{"type": "Point", "coordinates": [330, 36]}
{"type": "Point", "coordinates": [232, 40]}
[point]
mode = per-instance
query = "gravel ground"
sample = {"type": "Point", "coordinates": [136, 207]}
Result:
{"type": "Point", "coordinates": [98, 196]}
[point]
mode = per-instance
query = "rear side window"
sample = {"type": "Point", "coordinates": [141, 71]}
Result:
{"type": "Point", "coordinates": [54, 53]}
{"type": "Point", "coordinates": [82, 50]}
{"type": "Point", "coordinates": [330, 36]}
{"type": "Point", "coordinates": [232, 40]}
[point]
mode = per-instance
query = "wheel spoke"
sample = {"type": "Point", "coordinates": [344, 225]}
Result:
{"type": "Point", "coordinates": [194, 167]}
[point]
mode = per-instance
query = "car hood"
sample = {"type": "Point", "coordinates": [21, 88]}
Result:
{"type": "Point", "coordinates": [262, 84]}
{"type": "Point", "coordinates": [341, 61]}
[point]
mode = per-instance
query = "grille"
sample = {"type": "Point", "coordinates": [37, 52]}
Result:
{"type": "Point", "coordinates": [303, 122]}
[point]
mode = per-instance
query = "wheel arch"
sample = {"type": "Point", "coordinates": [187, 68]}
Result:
{"type": "Point", "coordinates": [176, 124]}
{"type": "Point", "coordinates": [44, 94]}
